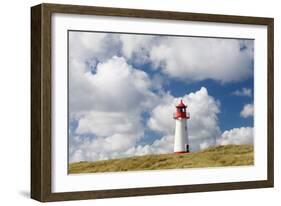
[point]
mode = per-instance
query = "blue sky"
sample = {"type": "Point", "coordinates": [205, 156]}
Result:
{"type": "Point", "coordinates": [123, 89]}
{"type": "Point", "coordinates": [231, 104]}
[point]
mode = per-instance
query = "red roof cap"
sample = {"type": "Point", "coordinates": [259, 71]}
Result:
{"type": "Point", "coordinates": [181, 104]}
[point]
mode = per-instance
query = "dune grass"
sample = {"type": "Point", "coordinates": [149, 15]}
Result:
{"type": "Point", "coordinates": [220, 156]}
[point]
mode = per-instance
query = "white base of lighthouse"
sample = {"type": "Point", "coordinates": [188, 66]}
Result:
{"type": "Point", "coordinates": [181, 136]}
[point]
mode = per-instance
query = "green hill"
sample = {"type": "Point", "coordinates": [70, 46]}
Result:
{"type": "Point", "coordinates": [230, 155]}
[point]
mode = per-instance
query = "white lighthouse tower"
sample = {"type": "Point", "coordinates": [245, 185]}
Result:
{"type": "Point", "coordinates": [181, 133]}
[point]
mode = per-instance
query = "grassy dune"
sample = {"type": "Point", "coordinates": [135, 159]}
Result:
{"type": "Point", "coordinates": [230, 155]}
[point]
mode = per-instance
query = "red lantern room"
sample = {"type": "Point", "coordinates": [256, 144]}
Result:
{"type": "Point", "coordinates": [181, 111]}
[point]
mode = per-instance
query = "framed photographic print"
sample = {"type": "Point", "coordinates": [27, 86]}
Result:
{"type": "Point", "coordinates": [130, 102]}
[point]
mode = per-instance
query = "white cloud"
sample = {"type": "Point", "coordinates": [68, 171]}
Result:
{"type": "Point", "coordinates": [107, 97]}
{"type": "Point", "coordinates": [108, 105]}
{"type": "Point", "coordinates": [192, 58]}
{"type": "Point", "coordinates": [125, 129]}
{"type": "Point", "coordinates": [107, 123]}
{"type": "Point", "coordinates": [247, 111]}
{"type": "Point", "coordinates": [161, 119]}
{"type": "Point", "coordinates": [203, 124]}
{"type": "Point", "coordinates": [203, 58]}
{"type": "Point", "coordinates": [163, 145]}
{"type": "Point", "coordinates": [186, 58]}
{"type": "Point", "coordinates": [92, 46]}
{"type": "Point", "coordinates": [243, 135]}
{"type": "Point", "coordinates": [114, 80]}
{"type": "Point", "coordinates": [243, 92]}
{"type": "Point", "coordinates": [137, 47]}
{"type": "Point", "coordinates": [90, 149]}
{"type": "Point", "coordinates": [118, 136]}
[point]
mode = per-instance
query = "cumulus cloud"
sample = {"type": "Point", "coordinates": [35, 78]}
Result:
{"type": "Point", "coordinates": [191, 59]}
{"type": "Point", "coordinates": [118, 136]}
{"type": "Point", "coordinates": [117, 128]}
{"type": "Point", "coordinates": [107, 97]}
{"type": "Point", "coordinates": [243, 92]}
{"type": "Point", "coordinates": [101, 148]}
{"type": "Point", "coordinates": [159, 146]}
{"type": "Point", "coordinates": [203, 58]}
{"type": "Point", "coordinates": [137, 47]}
{"type": "Point", "coordinates": [247, 111]}
{"type": "Point", "coordinates": [107, 123]}
{"type": "Point", "coordinates": [224, 60]}
{"type": "Point", "coordinates": [108, 105]}
{"type": "Point", "coordinates": [203, 125]}
{"type": "Point", "coordinates": [92, 47]}
{"type": "Point", "coordinates": [113, 80]}
{"type": "Point", "coordinates": [243, 135]}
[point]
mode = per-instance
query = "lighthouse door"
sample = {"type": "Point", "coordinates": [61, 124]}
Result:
{"type": "Point", "coordinates": [187, 148]}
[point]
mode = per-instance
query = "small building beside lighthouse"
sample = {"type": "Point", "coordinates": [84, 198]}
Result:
{"type": "Point", "coordinates": [181, 116]}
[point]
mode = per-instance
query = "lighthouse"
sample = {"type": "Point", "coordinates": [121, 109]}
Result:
{"type": "Point", "coordinates": [181, 133]}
